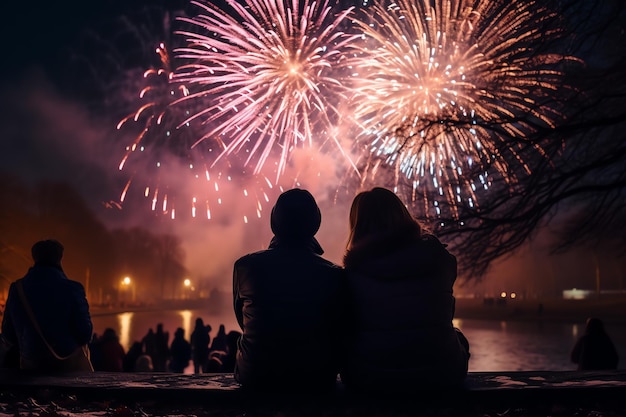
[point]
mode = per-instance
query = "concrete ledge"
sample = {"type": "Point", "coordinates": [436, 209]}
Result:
{"type": "Point", "coordinates": [494, 388]}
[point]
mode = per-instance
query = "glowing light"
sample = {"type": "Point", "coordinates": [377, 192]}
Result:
{"type": "Point", "coordinates": [125, 320]}
{"type": "Point", "coordinates": [186, 316]}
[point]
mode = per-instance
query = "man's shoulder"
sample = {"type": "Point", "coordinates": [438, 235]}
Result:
{"type": "Point", "coordinates": [270, 255]}
{"type": "Point", "coordinates": [252, 257]}
{"type": "Point", "coordinates": [325, 262]}
{"type": "Point", "coordinates": [70, 286]}
{"type": "Point", "coordinates": [75, 285]}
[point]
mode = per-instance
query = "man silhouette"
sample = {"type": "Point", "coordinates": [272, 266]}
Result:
{"type": "Point", "coordinates": [289, 303]}
{"type": "Point", "coordinates": [59, 307]}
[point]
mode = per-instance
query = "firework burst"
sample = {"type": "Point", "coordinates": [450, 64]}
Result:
{"type": "Point", "coordinates": [267, 70]}
{"type": "Point", "coordinates": [174, 177]}
{"type": "Point", "coordinates": [450, 94]}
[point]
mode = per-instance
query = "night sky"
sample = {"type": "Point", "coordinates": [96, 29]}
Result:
{"type": "Point", "coordinates": [48, 129]}
{"type": "Point", "coordinates": [61, 90]}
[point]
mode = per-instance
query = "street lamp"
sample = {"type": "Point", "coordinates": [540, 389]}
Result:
{"type": "Point", "coordinates": [188, 288]}
{"type": "Point", "coordinates": [128, 284]}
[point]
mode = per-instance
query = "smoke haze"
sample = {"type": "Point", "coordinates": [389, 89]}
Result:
{"type": "Point", "coordinates": [48, 137]}
{"type": "Point", "coordinates": [45, 136]}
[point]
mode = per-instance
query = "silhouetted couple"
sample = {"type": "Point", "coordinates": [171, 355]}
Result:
{"type": "Point", "coordinates": [386, 319]}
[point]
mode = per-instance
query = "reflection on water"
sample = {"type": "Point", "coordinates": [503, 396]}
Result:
{"type": "Point", "coordinates": [528, 345]}
{"type": "Point", "coordinates": [133, 326]}
{"type": "Point", "coordinates": [186, 317]}
{"type": "Point", "coordinates": [124, 329]}
{"type": "Point", "coordinates": [495, 345]}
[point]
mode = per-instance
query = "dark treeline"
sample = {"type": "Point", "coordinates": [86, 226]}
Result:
{"type": "Point", "coordinates": [94, 255]}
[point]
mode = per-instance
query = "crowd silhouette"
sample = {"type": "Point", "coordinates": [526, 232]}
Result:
{"type": "Point", "coordinates": [385, 314]}
{"type": "Point", "coordinates": [108, 355]}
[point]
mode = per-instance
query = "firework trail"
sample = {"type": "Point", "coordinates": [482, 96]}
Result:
{"type": "Point", "coordinates": [179, 179]}
{"type": "Point", "coordinates": [268, 70]}
{"type": "Point", "coordinates": [173, 177]}
{"type": "Point", "coordinates": [449, 93]}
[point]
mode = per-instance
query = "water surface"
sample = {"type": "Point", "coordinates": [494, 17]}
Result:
{"type": "Point", "coordinates": [495, 345]}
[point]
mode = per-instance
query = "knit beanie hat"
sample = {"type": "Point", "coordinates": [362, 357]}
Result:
{"type": "Point", "coordinates": [47, 252]}
{"type": "Point", "coordinates": [296, 216]}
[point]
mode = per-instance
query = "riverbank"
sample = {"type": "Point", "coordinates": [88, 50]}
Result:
{"type": "Point", "coordinates": [207, 304]}
{"type": "Point", "coordinates": [610, 310]}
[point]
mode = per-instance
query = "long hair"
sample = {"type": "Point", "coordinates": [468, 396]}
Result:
{"type": "Point", "coordinates": [379, 212]}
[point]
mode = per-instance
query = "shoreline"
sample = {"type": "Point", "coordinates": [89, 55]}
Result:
{"type": "Point", "coordinates": [611, 311]}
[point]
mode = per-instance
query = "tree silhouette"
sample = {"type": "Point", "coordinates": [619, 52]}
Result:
{"type": "Point", "coordinates": [585, 171]}
{"type": "Point", "coordinates": [154, 261]}
{"type": "Point", "coordinates": [580, 167]}
{"type": "Point", "coordinates": [56, 210]}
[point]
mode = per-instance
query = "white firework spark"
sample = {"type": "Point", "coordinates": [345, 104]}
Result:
{"type": "Point", "coordinates": [268, 71]}
{"type": "Point", "coordinates": [450, 92]}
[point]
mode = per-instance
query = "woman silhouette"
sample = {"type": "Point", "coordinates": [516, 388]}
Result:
{"type": "Point", "coordinates": [595, 350]}
{"type": "Point", "coordinates": [400, 286]}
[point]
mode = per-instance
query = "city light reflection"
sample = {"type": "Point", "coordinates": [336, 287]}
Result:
{"type": "Point", "coordinates": [186, 316]}
{"type": "Point", "coordinates": [125, 320]}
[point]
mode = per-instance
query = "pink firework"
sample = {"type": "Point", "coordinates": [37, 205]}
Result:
{"type": "Point", "coordinates": [268, 71]}
{"type": "Point", "coordinates": [174, 178]}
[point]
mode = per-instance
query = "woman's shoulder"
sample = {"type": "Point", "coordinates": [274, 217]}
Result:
{"type": "Point", "coordinates": [431, 245]}
{"type": "Point", "coordinates": [431, 239]}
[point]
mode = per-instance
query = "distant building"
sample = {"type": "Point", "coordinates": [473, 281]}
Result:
{"type": "Point", "coordinates": [579, 294]}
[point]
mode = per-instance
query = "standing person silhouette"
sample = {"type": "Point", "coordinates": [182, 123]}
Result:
{"type": "Point", "coordinates": [289, 302]}
{"type": "Point", "coordinates": [51, 311]}
{"type": "Point", "coordinates": [180, 352]}
{"type": "Point", "coordinates": [219, 341]}
{"type": "Point", "coordinates": [112, 352]}
{"type": "Point", "coordinates": [595, 350]}
{"type": "Point", "coordinates": [161, 349]}
{"type": "Point", "coordinates": [200, 340]}
{"type": "Point", "coordinates": [400, 289]}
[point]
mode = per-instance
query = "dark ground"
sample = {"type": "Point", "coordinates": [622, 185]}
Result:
{"type": "Point", "coordinates": [557, 394]}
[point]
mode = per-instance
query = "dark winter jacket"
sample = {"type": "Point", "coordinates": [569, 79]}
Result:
{"type": "Point", "coordinates": [289, 302]}
{"type": "Point", "coordinates": [594, 354]}
{"type": "Point", "coordinates": [200, 340]}
{"type": "Point", "coordinates": [400, 289]}
{"type": "Point", "coordinates": [112, 356]}
{"type": "Point", "coordinates": [60, 307]}
{"type": "Point", "coordinates": [181, 353]}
